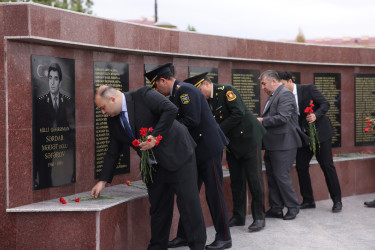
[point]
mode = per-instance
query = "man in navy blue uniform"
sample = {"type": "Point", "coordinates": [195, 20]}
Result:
{"type": "Point", "coordinates": [194, 112]}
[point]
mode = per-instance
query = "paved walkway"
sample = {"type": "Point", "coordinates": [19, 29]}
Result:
{"type": "Point", "coordinates": [319, 228]}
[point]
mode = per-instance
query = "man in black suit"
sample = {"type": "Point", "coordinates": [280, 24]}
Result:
{"type": "Point", "coordinates": [175, 170]}
{"type": "Point", "coordinates": [195, 114]}
{"type": "Point", "coordinates": [243, 151]}
{"type": "Point", "coordinates": [303, 94]}
{"type": "Point", "coordinates": [281, 142]}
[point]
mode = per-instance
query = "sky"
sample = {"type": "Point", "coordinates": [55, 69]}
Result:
{"type": "Point", "coordinates": [271, 20]}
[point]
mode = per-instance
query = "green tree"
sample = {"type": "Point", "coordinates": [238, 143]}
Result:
{"type": "Point", "coordinates": [191, 28]}
{"type": "Point", "coordinates": [300, 38]}
{"type": "Point", "coordinates": [84, 6]}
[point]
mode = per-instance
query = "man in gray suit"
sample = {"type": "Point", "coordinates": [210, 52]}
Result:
{"type": "Point", "coordinates": [281, 141]}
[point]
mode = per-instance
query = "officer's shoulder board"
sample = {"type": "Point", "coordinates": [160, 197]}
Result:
{"type": "Point", "coordinates": [62, 97]}
{"type": "Point", "coordinates": [44, 98]}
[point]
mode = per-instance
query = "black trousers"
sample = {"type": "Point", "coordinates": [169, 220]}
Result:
{"type": "Point", "coordinates": [161, 195]}
{"type": "Point", "coordinates": [248, 167]}
{"type": "Point", "coordinates": [210, 173]}
{"type": "Point", "coordinates": [325, 160]}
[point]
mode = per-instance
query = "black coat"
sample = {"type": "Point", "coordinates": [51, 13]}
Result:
{"type": "Point", "coordinates": [305, 93]}
{"type": "Point", "coordinates": [195, 113]}
{"type": "Point", "coordinates": [48, 117]}
{"type": "Point", "coordinates": [147, 108]}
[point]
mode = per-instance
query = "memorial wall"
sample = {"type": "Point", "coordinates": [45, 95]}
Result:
{"type": "Point", "coordinates": [46, 153]}
{"type": "Point", "coordinates": [67, 146]}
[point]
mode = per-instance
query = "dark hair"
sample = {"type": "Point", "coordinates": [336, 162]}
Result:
{"type": "Point", "coordinates": [284, 75]}
{"type": "Point", "coordinates": [55, 67]}
{"type": "Point", "coordinates": [270, 74]}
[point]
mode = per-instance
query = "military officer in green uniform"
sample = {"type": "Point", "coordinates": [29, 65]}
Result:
{"type": "Point", "coordinates": [244, 150]}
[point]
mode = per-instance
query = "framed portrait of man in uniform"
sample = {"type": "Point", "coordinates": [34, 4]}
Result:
{"type": "Point", "coordinates": [53, 91]}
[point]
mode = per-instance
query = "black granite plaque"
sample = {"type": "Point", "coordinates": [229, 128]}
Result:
{"type": "Point", "coordinates": [296, 77]}
{"type": "Point", "coordinates": [330, 85]}
{"type": "Point", "coordinates": [212, 73]}
{"type": "Point", "coordinates": [149, 67]}
{"type": "Point", "coordinates": [246, 82]}
{"type": "Point", "coordinates": [53, 94]}
{"type": "Point", "coordinates": [364, 107]}
{"type": "Point", "coordinates": [116, 75]}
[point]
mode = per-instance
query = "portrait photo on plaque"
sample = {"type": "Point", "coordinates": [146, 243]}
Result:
{"type": "Point", "coordinates": [53, 112]}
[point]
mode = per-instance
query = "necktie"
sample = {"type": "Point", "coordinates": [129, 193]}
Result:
{"type": "Point", "coordinates": [265, 107]}
{"type": "Point", "coordinates": [55, 104]}
{"type": "Point", "coordinates": [126, 124]}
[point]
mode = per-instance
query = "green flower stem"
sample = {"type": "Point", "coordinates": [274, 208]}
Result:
{"type": "Point", "coordinates": [314, 138]}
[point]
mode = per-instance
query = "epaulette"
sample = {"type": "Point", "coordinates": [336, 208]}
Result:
{"type": "Point", "coordinates": [44, 97]}
{"type": "Point", "coordinates": [64, 96]}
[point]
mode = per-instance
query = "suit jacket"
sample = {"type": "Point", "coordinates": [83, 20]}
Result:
{"type": "Point", "coordinates": [49, 117]}
{"type": "Point", "coordinates": [280, 118]}
{"type": "Point", "coordinates": [235, 119]}
{"type": "Point", "coordinates": [147, 108]}
{"type": "Point", "coordinates": [195, 114]}
{"type": "Point", "coordinates": [323, 125]}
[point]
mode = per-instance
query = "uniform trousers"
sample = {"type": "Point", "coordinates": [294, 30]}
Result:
{"type": "Point", "coordinates": [166, 184]}
{"type": "Point", "coordinates": [248, 167]}
{"type": "Point", "coordinates": [210, 172]}
{"type": "Point", "coordinates": [325, 160]}
{"type": "Point", "coordinates": [281, 192]}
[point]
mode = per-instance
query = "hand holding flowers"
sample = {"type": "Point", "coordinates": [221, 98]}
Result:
{"type": "Point", "coordinates": [146, 143]}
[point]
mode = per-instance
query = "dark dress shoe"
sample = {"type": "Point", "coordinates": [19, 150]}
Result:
{"type": "Point", "coordinates": [273, 213]}
{"type": "Point", "coordinates": [337, 207]}
{"type": "Point", "coordinates": [305, 205]}
{"type": "Point", "coordinates": [236, 222]}
{"type": "Point", "coordinates": [177, 242]}
{"type": "Point", "coordinates": [370, 203]}
{"type": "Point", "coordinates": [220, 244]}
{"type": "Point", "coordinates": [257, 225]}
{"type": "Point", "coordinates": [291, 214]}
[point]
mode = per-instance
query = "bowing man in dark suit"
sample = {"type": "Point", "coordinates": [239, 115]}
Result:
{"type": "Point", "coordinates": [303, 95]}
{"type": "Point", "coordinates": [175, 170]}
{"type": "Point", "coordinates": [195, 114]}
{"type": "Point", "coordinates": [281, 142]}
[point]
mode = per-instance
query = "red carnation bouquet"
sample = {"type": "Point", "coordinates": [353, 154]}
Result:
{"type": "Point", "coordinates": [147, 156]}
{"type": "Point", "coordinates": [312, 129]}
{"type": "Point", "coordinates": [370, 123]}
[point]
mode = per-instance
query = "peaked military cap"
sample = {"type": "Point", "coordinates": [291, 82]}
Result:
{"type": "Point", "coordinates": [197, 80]}
{"type": "Point", "coordinates": [153, 74]}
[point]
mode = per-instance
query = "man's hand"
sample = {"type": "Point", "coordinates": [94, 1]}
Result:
{"type": "Point", "coordinates": [95, 191]}
{"type": "Point", "coordinates": [260, 119]}
{"type": "Point", "coordinates": [311, 118]}
{"type": "Point", "coordinates": [148, 144]}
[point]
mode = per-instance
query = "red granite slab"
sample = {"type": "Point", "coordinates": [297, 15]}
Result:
{"type": "Point", "coordinates": [72, 230]}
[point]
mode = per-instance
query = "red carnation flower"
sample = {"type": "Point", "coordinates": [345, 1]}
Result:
{"type": "Point", "coordinates": [150, 129]}
{"type": "Point", "coordinates": [143, 132]}
{"type": "Point", "coordinates": [128, 183]}
{"type": "Point", "coordinates": [135, 143]}
{"type": "Point", "coordinates": [77, 200]}
{"type": "Point", "coordinates": [62, 200]}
